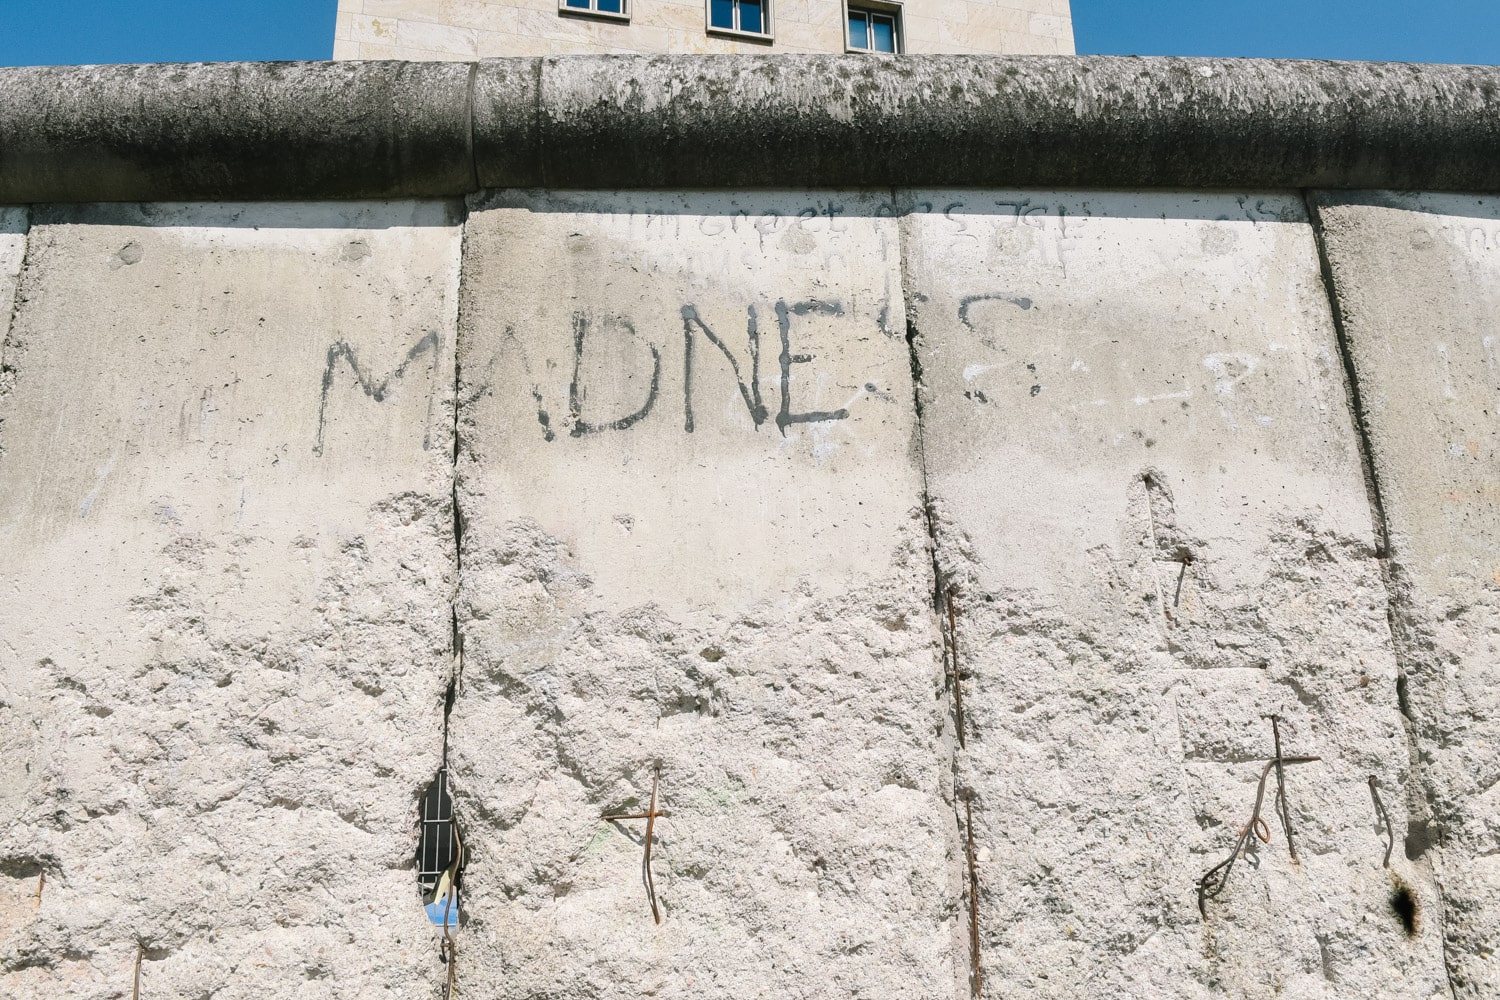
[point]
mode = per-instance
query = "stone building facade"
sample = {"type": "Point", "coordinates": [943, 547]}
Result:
{"type": "Point", "coordinates": [469, 29]}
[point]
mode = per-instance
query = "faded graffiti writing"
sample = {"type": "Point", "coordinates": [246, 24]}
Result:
{"type": "Point", "coordinates": [695, 329]}
{"type": "Point", "coordinates": [372, 389]}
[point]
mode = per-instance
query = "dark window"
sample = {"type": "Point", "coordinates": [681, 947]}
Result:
{"type": "Point", "coordinates": [873, 31]}
{"type": "Point", "coordinates": [738, 15]}
{"type": "Point", "coordinates": [618, 8]}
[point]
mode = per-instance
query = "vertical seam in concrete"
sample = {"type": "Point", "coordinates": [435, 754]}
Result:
{"type": "Point", "coordinates": [469, 135]}
{"type": "Point", "coordinates": [1389, 567]}
{"type": "Point", "coordinates": [458, 521]}
{"type": "Point", "coordinates": [6, 375]}
{"type": "Point", "coordinates": [538, 100]}
{"type": "Point", "coordinates": [902, 210]}
{"type": "Point", "coordinates": [448, 949]}
{"type": "Point", "coordinates": [1351, 385]}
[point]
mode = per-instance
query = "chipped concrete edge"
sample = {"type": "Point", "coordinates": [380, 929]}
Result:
{"type": "Point", "coordinates": [407, 129]}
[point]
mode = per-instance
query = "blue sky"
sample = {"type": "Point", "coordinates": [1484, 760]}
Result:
{"type": "Point", "coordinates": [79, 31]}
{"type": "Point", "coordinates": [1461, 31]}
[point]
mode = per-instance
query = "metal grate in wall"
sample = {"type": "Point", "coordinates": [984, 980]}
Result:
{"type": "Point", "coordinates": [439, 852]}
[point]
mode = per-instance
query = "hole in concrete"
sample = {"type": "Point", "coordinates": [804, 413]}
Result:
{"type": "Point", "coordinates": [440, 859]}
{"type": "Point", "coordinates": [1404, 905]}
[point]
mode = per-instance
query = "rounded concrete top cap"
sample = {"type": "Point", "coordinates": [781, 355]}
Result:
{"type": "Point", "coordinates": [393, 129]}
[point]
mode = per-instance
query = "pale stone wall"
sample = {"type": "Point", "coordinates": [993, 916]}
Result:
{"type": "Point", "coordinates": [469, 29]}
{"type": "Point", "coordinates": [1156, 541]}
{"type": "Point", "coordinates": [685, 481]}
{"type": "Point", "coordinates": [226, 519]}
{"type": "Point", "coordinates": [1418, 281]}
{"type": "Point", "coordinates": [644, 590]}
{"type": "Point", "coordinates": [953, 554]}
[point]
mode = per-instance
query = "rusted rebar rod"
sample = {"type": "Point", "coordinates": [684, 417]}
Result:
{"type": "Point", "coordinates": [1282, 808]}
{"type": "Point", "coordinates": [1208, 887]}
{"type": "Point", "coordinates": [650, 827]}
{"type": "Point", "coordinates": [1390, 832]}
{"type": "Point", "coordinates": [978, 975]}
{"type": "Point", "coordinates": [450, 947]}
{"type": "Point", "coordinates": [650, 816]}
{"type": "Point", "coordinates": [958, 683]}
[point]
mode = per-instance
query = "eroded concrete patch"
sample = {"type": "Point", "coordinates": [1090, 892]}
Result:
{"type": "Point", "coordinates": [225, 507]}
{"type": "Point", "coordinates": [1418, 280]}
{"type": "Point", "coordinates": [694, 538]}
{"type": "Point", "coordinates": [15, 741]}
{"type": "Point", "coordinates": [1149, 502]}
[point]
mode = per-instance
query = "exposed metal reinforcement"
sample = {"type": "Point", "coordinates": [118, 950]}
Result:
{"type": "Point", "coordinates": [442, 857]}
{"type": "Point", "coordinates": [1283, 808]}
{"type": "Point", "coordinates": [1390, 831]}
{"type": "Point", "coordinates": [651, 815]}
{"type": "Point", "coordinates": [957, 674]}
{"type": "Point", "coordinates": [1385, 556]}
{"type": "Point", "coordinates": [976, 975]}
{"type": "Point", "coordinates": [1216, 879]}
{"type": "Point", "coordinates": [942, 605]}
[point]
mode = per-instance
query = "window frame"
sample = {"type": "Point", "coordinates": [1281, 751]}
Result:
{"type": "Point", "coordinates": [887, 8]}
{"type": "Point", "coordinates": [767, 17]}
{"type": "Point", "coordinates": [592, 11]}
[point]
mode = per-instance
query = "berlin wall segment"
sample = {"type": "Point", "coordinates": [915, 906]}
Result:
{"type": "Point", "coordinates": [692, 484]}
{"type": "Point", "coordinates": [1418, 283]}
{"type": "Point", "coordinates": [225, 648]}
{"type": "Point", "coordinates": [741, 601]}
{"type": "Point", "coordinates": [1150, 506]}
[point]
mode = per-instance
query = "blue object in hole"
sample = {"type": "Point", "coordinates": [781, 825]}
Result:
{"type": "Point", "coordinates": [441, 914]}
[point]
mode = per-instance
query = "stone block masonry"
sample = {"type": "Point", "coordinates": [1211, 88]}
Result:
{"type": "Point", "coordinates": [483, 29]}
{"type": "Point", "coordinates": [629, 496]}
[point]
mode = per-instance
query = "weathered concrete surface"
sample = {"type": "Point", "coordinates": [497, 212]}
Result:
{"type": "Point", "coordinates": [13, 221]}
{"type": "Point", "coordinates": [1149, 500]}
{"type": "Point", "coordinates": [391, 129]}
{"type": "Point", "coordinates": [1031, 120]}
{"type": "Point", "coordinates": [718, 567]}
{"type": "Point", "coordinates": [234, 130]}
{"type": "Point", "coordinates": [225, 513]}
{"type": "Point", "coordinates": [13, 739]}
{"type": "Point", "coordinates": [1418, 280]}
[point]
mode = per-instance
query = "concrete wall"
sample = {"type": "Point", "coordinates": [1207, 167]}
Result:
{"type": "Point", "coordinates": [470, 29]}
{"type": "Point", "coordinates": [722, 463]}
{"type": "Point", "coordinates": [949, 564]}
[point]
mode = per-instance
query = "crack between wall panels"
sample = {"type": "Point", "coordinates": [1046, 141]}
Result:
{"type": "Point", "coordinates": [7, 369]}
{"type": "Point", "coordinates": [455, 847]}
{"type": "Point", "coordinates": [943, 608]}
{"type": "Point", "coordinates": [1390, 569]}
